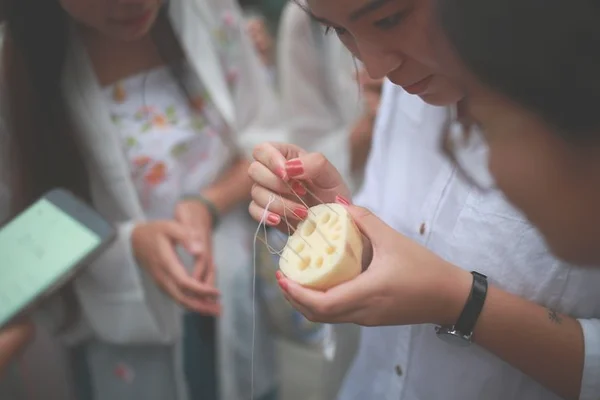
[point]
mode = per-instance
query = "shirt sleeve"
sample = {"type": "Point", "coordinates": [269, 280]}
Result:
{"type": "Point", "coordinates": [590, 382]}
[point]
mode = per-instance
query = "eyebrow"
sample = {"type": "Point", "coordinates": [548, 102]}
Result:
{"type": "Point", "coordinates": [367, 8]}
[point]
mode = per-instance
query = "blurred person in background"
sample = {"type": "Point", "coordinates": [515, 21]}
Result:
{"type": "Point", "coordinates": [262, 40]}
{"type": "Point", "coordinates": [330, 102]}
{"type": "Point", "coordinates": [542, 130]}
{"type": "Point", "coordinates": [147, 111]}
{"type": "Point", "coordinates": [458, 286]}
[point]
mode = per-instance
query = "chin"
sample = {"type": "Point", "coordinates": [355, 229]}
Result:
{"type": "Point", "coordinates": [441, 92]}
{"type": "Point", "coordinates": [132, 36]}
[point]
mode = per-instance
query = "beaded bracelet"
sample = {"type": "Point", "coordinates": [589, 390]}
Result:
{"type": "Point", "coordinates": [210, 206]}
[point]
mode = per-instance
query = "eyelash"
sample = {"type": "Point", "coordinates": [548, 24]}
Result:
{"type": "Point", "coordinates": [384, 24]}
{"type": "Point", "coordinates": [391, 21]}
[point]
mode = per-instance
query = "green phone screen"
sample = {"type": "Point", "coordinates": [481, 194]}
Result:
{"type": "Point", "coordinates": [37, 248]}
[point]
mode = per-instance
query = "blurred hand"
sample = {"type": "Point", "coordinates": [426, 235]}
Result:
{"type": "Point", "coordinates": [262, 40]}
{"type": "Point", "coordinates": [371, 92]}
{"type": "Point", "coordinates": [361, 137]}
{"type": "Point", "coordinates": [404, 284]}
{"type": "Point", "coordinates": [367, 83]}
{"type": "Point", "coordinates": [13, 339]}
{"type": "Point", "coordinates": [154, 246]}
{"type": "Point", "coordinates": [288, 171]}
{"type": "Point", "coordinates": [194, 215]}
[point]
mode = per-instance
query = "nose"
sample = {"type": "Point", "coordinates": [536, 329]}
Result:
{"type": "Point", "coordinates": [378, 62]}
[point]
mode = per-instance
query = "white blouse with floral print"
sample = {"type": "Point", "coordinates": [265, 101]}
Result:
{"type": "Point", "coordinates": [174, 147]}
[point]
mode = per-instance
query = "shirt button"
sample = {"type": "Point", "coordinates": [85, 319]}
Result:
{"type": "Point", "coordinates": [398, 370]}
{"type": "Point", "coordinates": [422, 229]}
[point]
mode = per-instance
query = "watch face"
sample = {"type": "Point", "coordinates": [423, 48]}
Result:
{"type": "Point", "coordinates": [453, 337]}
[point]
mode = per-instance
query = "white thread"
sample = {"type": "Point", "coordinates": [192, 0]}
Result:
{"type": "Point", "coordinates": [272, 251]}
{"type": "Point", "coordinates": [269, 248]}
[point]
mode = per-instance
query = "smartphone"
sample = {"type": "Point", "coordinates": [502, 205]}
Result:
{"type": "Point", "coordinates": [45, 246]}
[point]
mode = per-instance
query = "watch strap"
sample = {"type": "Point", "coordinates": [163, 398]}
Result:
{"type": "Point", "coordinates": [470, 313]}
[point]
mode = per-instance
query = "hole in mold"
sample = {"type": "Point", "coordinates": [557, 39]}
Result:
{"type": "Point", "coordinates": [330, 250]}
{"type": "Point", "coordinates": [337, 228]}
{"type": "Point", "coordinates": [304, 263]}
{"type": "Point", "coordinates": [335, 236]}
{"type": "Point", "coordinates": [299, 247]}
{"type": "Point", "coordinates": [319, 262]}
{"type": "Point", "coordinates": [308, 227]}
{"type": "Point", "coordinates": [334, 219]}
{"type": "Point", "coordinates": [325, 219]}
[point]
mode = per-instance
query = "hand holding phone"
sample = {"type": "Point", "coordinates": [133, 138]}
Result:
{"type": "Point", "coordinates": [13, 339]}
{"type": "Point", "coordinates": [44, 246]}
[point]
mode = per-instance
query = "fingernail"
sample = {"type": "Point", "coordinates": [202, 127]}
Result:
{"type": "Point", "coordinates": [278, 275]}
{"type": "Point", "coordinates": [195, 247]}
{"type": "Point", "coordinates": [273, 219]}
{"type": "Point", "coordinates": [283, 284]}
{"type": "Point", "coordinates": [298, 188]}
{"type": "Point", "coordinates": [295, 171]}
{"type": "Point", "coordinates": [342, 200]}
{"type": "Point", "coordinates": [294, 168]}
{"type": "Point", "coordinates": [301, 212]}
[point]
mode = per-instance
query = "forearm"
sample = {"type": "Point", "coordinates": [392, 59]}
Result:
{"type": "Point", "coordinates": [543, 344]}
{"type": "Point", "coordinates": [231, 188]}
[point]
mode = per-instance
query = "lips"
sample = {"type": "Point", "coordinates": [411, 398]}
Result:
{"type": "Point", "coordinates": [419, 87]}
{"type": "Point", "coordinates": [134, 21]}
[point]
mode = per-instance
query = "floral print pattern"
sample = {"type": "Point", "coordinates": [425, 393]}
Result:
{"type": "Point", "coordinates": [165, 136]}
{"type": "Point", "coordinates": [227, 37]}
{"type": "Point", "coordinates": [168, 140]}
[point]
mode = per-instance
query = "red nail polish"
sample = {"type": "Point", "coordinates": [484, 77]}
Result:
{"type": "Point", "coordinates": [295, 170]}
{"type": "Point", "coordinates": [342, 200]}
{"type": "Point", "coordinates": [298, 188]}
{"type": "Point", "coordinates": [301, 212]}
{"type": "Point", "coordinates": [273, 219]}
{"type": "Point", "coordinates": [278, 275]}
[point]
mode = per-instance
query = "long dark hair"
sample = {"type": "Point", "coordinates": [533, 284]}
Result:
{"type": "Point", "coordinates": [44, 152]}
{"type": "Point", "coordinates": [543, 54]}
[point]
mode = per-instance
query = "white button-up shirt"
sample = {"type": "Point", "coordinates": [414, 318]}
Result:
{"type": "Point", "coordinates": [410, 185]}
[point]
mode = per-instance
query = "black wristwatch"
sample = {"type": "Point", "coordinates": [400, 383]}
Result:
{"type": "Point", "coordinates": [461, 334]}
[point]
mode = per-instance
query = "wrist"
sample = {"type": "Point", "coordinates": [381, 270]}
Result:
{"type": "Point", "coordinates": [453, 289]}
{"type": "Point", "coordinates": [213, 213]}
